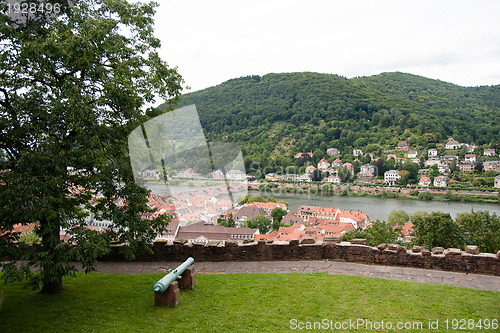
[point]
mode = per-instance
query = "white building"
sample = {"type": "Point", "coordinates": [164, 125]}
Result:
{"type": "Point", "coordinates": [391, 176]}
{"type": "Point", "coordinates": [440, 181]}
{"type": "Point", "coordinates": [367, 171]}
{"type": "Point", "coordinates": [333, 179]}
{"type": "Point", "coordinates": [489, 152]}
{"type": "Point", "coordinates": [432, 152]}
{"type": "Point", "coordinates": [357, 152]}
{"type": "Point", "coordinates": [497, 181]}
{"type": "Point", "coordinates": [236, 175]}
{"type": "Point", "coordinates": [453, 144]}
{"type": "Point", "coordinates": [412, 154]}
{"type": "Point", "coordinates": [470, 158]}
{"type": "Point", "coordinates": [323, 165]}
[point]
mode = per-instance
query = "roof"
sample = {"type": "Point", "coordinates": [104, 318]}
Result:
{"type": "Point", "coordinates": [249, 212]}
{"type": "Point", "coordinates": [211, 231]}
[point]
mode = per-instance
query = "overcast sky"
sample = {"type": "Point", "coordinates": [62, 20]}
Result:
{"type": "Point", "coordinates": [214, 41]}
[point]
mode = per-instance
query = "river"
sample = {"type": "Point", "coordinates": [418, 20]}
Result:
{"type": "Point", "coordinates": [378, 208]}
{"type": "Point", "coordinates": [375, 208]}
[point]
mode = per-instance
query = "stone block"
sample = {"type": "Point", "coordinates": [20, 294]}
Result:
{"type": "Point", "coordinates": [426, 252]}
{"type": "Point", "coordinates": [382, 246]}
{"type": "Point", "coordinates": [171, 296]}
{"type": "Point", "coordinates": [417, 249]}
{"type": "Point", "coordinates": [231, 243]}
{"type": "Point", "coordinates": [472, 249]}
{"type": "Point", "coordinates": [453, 251]}
{"type": "Point", "coordinates": [188, 279]}
{"type": "Point", "coordinates": [437, 250]}
{"type": "Point", "coordinates": [307, 241]}
{"type": "Point", "coordinates": [359, 241]}
{"type": "Point", "coordinates": [294, 242]}
{"type": "Point", "coordinates": [332, 239]}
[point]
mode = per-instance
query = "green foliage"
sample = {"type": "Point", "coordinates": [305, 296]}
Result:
{"type": "Point", "coordinates": [71, 90]}
{"type": "Point", "coordinates": [277, 215]}
{"type": "Point", "coordinates": [259, 222]}
{"type": "Point", "coordinates": [379, 232]}
{"type": "Point", "coordinates": [425, 195]}
{"type": "Point", "coordinates": [228, 223]}
{"type": "Point", "coordinates": [310, 111]}
{"type": "Point", "coordinates": [436, 229]}
{"type": "Point", "coordinates": [482, 229]}
{"type": "Point", "coordinates": [398, 217]}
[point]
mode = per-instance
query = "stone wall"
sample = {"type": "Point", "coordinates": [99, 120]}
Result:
{"type": "Point", "coordinates": [393, 255]}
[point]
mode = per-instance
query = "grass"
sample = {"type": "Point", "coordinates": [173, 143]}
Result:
{"type": "Point", "coordinates": [237, 303]}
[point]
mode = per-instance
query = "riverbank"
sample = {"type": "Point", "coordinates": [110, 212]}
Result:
{"type": "Point", "coordinates": [363, 190]}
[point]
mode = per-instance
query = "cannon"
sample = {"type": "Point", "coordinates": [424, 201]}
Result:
{"type": "Point", "coordinates": [166, 290]}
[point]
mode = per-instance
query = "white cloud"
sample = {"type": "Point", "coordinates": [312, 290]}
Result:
{"type": "Point", "coordinates": [213, 41]}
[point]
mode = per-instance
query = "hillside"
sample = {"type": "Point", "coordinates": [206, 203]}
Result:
{"type": "Point", "coordinates": [277, 115]}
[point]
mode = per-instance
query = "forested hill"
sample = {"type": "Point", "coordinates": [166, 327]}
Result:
{"type": "Point", "coordinates": [277, 115]}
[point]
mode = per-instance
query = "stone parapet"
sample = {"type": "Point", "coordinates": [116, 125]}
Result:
{"type": "Point", "coordinates": [393, 255]}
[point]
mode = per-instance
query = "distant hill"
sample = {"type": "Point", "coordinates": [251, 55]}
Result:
{"type": "Point", "coordinates": [277, 115]}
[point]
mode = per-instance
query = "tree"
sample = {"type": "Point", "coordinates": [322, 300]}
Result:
{"type": "Point", "coordinates": [259, 222]}
{"type": "Point", "coordinates": [277, 215]}
{"type": "Point", "coordinates": [481, 229]}
{"type": "Point", "coordinates": [436, 229]}
{"type": "Point", "coordinates": [398, 217]}
{"type": "Point", "coordinates": [381, 232]}
{"type": "Point", "coordinates": [71, 90]}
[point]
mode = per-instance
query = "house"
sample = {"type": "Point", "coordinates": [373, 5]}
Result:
{"type": "Point", "coordinates": [291, 218]}
{"type": "Point", "coordinates": [424, 181]}
{"type": "Point", "coordinates": [453, 144]}
{"type": "Point", "coordinates": [349, 166]}
{"type": "Point", "coordinates": [323, 165]}
{"type": "Point", "coordinates": [333, 179]}
{"type": "Point", "coordinates": [357, 152]}
{"type": "Point", "coordinates": [443, 168]}
{"type": "Point", "coordinates": [305, 177]}
{"type": "Point", "coordinates": [217, 174]}
{"type": "Point", "coordinates": [336, 163]}
{"type": "Point", "coordinates": [431, 161]}
{"type": "Point", "coordinates": [407, 232]}
{"type": "Point", "coordinates": [236, 175]}
{"type": "Point", "coordinates": [304, 155]}
{"type": "Point", "coordinates": [449, 158]}
{"type": "Point", "coordinates": [248, 212]}
{"type": "Point", "coordinates": [202, 233]}
{"type": "Point", "coordinates": [273, 176]}
{"type": "Point", "coordinates": [432, 152]}
{"type": "Point", "coordinates": [470, 158]}
{"type": "Point", "coordinates": [423, 172]}
{"type": "Point", "coordinates": [470, 148]}
{"type": "Point", "coordinates": [497, 181]}
{"type": "Point", "coordinates": [489, 152]}
{"type": "Point", "coordinates": [491, 166]}
{"type": "Point", "coordinates": [466, 167]}
{"type": "Point", "coordinates": [412, 154]}
{"type": "Point", "coordinates": [310, 169]}
{"type": "Point", "coordinates": [391, 176]}
{"type": "Point", "coordinates": [333, 152]}
{"type": "Point", "coordinates": [269, 206]}
{"type": "Point", "coordinates": [307, 212]}
{"type": "Point", "coordinates": [440, 181]}
{"type": "Point", "coordinates": [367, 171]}
{"type": "Point", "coordinates": [402, 146]}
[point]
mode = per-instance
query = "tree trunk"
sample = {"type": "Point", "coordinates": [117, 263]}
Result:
{"type": "Point", "coordinates": [51, 276]}
{"type": "Point", "coordinates": [52, 287]}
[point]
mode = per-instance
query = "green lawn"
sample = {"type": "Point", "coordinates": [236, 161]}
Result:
{"type": "Point", "coordinates": [239, 303]}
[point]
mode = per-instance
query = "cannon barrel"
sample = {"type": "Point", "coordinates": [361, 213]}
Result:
{"type": "Point", "coordinates": [163, 284]}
